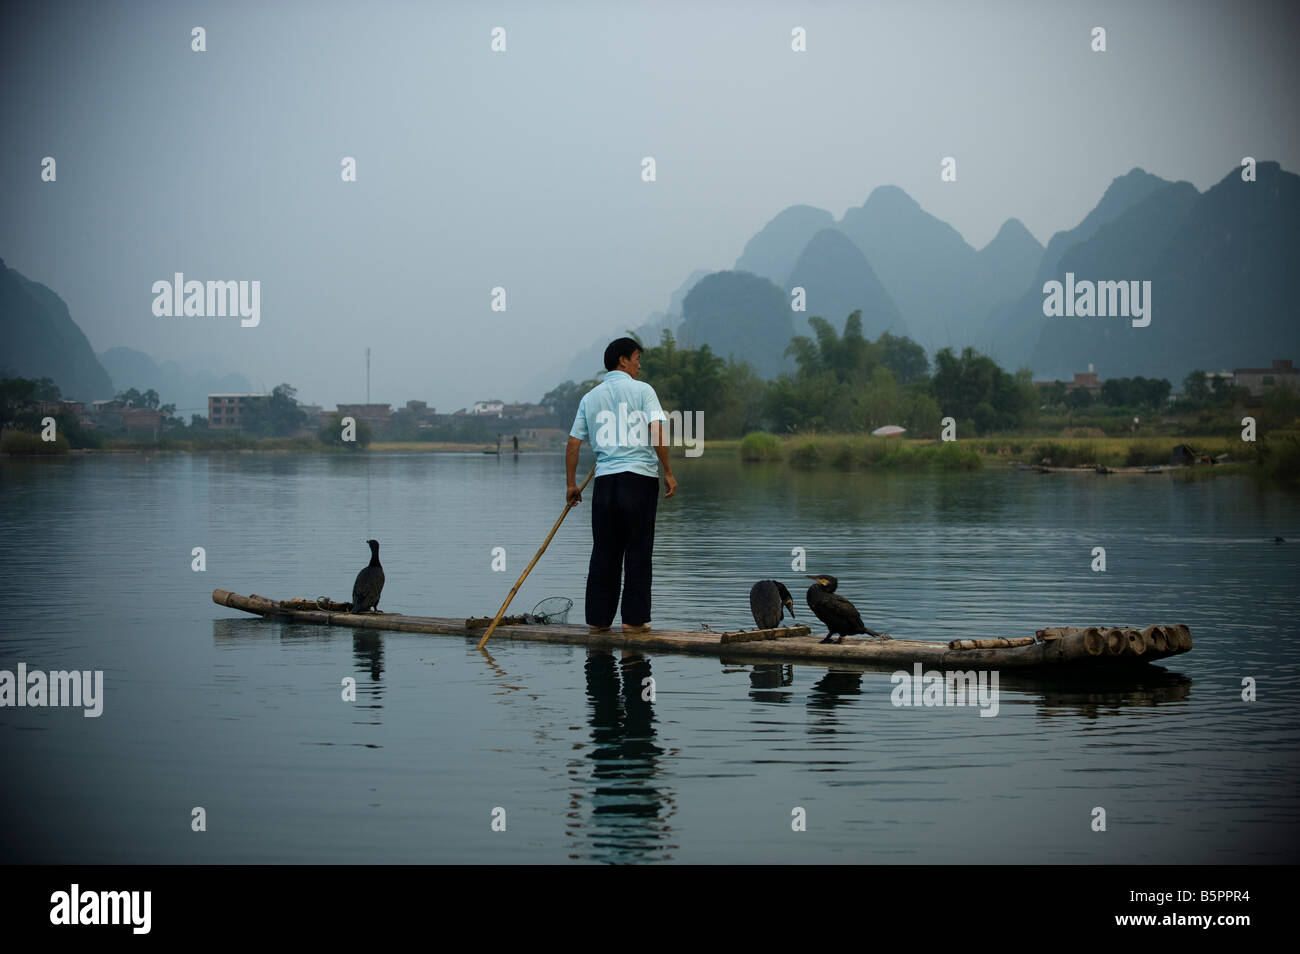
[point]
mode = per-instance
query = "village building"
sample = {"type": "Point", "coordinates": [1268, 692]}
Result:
{"type": "Point", "coordinates": [225, 410]}
{"type": "Point", "coordinates": [1259, 380]}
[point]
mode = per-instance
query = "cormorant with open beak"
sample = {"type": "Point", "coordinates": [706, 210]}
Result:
{"type": "Point", "coordinates": [768, 600]}
{"type": "Point", "coordinates": [840, 616]}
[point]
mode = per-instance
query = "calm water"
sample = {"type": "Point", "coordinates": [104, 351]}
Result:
{"type": "Point", "coordinates": [243, 716]}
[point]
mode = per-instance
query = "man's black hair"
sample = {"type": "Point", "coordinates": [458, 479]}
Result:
{"type": "Point", "coordinates": [620, 348]}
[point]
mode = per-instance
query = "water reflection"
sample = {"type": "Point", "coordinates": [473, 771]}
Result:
{"type": "Point", "coordinates": [368, 649]}
{"type": "Point", "coordinates": [1092, 695]}
{"type": "Point", "coordinates": [499, 673]}
{"type": "Point", "coordinates": [834, 689]}
{"type": "Point", "coordinates": [1099, 696]}
{"type": "Point", "coordinates": [237, 629]}
{"type": "Point", "coordinates": [622, 815]}
{"type": "Point", "coordinates": [766, 677]}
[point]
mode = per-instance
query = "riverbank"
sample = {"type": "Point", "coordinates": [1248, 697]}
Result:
{"type": "Point", "coordinates": [22, 444]}
{"type": "Point", "coordinates": [1276, 457]}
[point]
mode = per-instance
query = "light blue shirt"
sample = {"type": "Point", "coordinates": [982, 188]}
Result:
{"type": "Point", "coordinates": [615, 417]}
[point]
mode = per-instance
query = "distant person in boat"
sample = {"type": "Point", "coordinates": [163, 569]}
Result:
{"type": "Point", "coordinates": [369, 583]}
{"type": "Point", "coordinates": [515, 439]}
{"type": "Point", "coordinates": [621, 419]}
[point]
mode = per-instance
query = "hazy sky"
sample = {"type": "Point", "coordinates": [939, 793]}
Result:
{"type": "Point", "coordinates": [522, 169]}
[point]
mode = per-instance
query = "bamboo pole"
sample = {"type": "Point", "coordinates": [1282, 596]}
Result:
{"type": "Point", "coordinates": [755, 635]}
{"type": "Point", "coordinates": [520, 582]}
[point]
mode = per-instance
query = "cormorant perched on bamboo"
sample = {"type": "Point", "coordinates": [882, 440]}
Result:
{"type": "Point", "coordinates": [369, 584]}
{"type": "Point", "coordinates": [768, 601]}
{"type": "Point", "coordinates": [839, 615]}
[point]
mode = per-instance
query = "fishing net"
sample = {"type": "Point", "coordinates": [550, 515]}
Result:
{"type": "Point", "coordinates": [553, 609]}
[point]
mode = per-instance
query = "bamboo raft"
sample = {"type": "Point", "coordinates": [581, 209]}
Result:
{"type": "Point", "coordinates": [1104, 469]}
{"type": "Point", "coordinates": [1106, 647]}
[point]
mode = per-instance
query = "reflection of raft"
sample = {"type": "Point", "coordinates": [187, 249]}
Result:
{"type": "Point", "coordinates": [1071, 647]}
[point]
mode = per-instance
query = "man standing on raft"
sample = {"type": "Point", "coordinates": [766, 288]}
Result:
{"type": "Point", "coordinates": [621, 418]}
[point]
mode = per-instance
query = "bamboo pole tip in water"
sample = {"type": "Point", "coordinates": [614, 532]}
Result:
{"type": "Point", "coordinates": [1115, 641]}
{"type": "Point", "coordinates": [1094, 643]}
{"type": "Point", "coordinates": [1136, 642]}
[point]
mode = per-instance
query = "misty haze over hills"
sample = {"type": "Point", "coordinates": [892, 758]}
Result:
{"type": "Point", "coordinates": [522, 169]}
{"type": "Point", "coordinates": [1219, 264]}
{"type": "Point", "coordinates": [187, 388]}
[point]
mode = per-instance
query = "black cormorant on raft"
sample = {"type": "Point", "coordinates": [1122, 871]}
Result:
{"type": "Point", "coordinates": [840, 616]}
{"type": "Point", "coordinates": [768, 601]}
{"type": "Point", "coordinates": [369, 584]}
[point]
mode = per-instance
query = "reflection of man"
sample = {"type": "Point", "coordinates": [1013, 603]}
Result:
{"type": "Point", "coordinates": [621, 418]}
{"type": "Point", "coordinates": [628, 803]}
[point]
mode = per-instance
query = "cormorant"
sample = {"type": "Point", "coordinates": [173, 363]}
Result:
{"type": "Point", "coordinates": [768, 600]}
{"type": "Point", "coordinates": [839, 615]}
{"type": "Point", "coordinates": [369, 584]}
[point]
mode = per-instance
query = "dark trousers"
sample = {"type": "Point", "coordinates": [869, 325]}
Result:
{"type": "Point", "coordinates": [623, 537]}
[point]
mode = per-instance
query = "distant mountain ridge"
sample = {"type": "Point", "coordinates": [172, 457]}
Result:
{"type": "Point", "coordinates": [741, 315]}
{"type": "Point", "coordinates": [590, 361]}
{"type": "Point", "coordinates": [42, 340]}
{"type": "Point", "coordinates": [773, 251]}
{"type": "Point", "coordinates": [188, 390]}
{"type": "Point", "coordinates": [1219, 263]}
{"type": "Point", "coordinates": [838, 280]}
{"type": "Point", "coordinates": [1012, 328]}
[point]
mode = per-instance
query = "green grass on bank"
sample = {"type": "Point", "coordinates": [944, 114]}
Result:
{"type": "Point", "coordinates": [853, 451]}
{"type": "Point", "coordinates": [25, 444]}
{"type": "Point", "coordinates": [1278, 458]}
{"type": "Point", "coordinates": [1106, 451]}
{"type": "Point", "coordinates": [1275, 458]}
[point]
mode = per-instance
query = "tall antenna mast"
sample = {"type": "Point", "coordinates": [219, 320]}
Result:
{"type": "Point", "coordinates": [367, 375]}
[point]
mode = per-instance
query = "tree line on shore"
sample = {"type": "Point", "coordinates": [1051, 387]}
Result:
{"type": "Point", "coordinates": [846, 383]}
{"type": "Point", "coordinates": [842, 383]}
